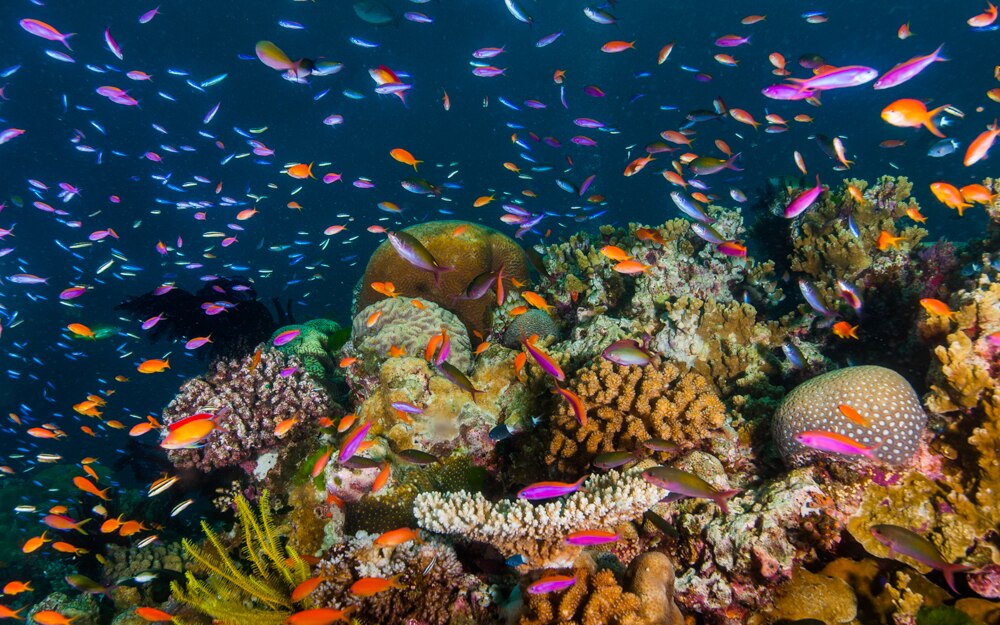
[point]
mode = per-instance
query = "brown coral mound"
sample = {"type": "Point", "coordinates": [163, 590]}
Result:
{"type": "Point", "coordinates": [477, 249]}
{"type": "Point", "coordinates": [257, 399]}
{"type": "Point", "coordinates": [628, 405]}
{"type": "Point", "coordinates": [597, 598]}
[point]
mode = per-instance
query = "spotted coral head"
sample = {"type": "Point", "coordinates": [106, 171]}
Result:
{"type": "Point", "coordinates": [872, 406]}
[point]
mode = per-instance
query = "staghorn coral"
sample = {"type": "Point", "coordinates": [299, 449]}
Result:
{"type": "Point", "coordinates": [628, 405]}
{"type": "Point", "coordinates": [257, 400]}
{"type": "Point", "coordinates": [315, 346]}
{"type": "Point", "coordinates": [598, 598]}
{"type": "Point", "coordinates": [435, 588]}
{"type": "Point", "coordinates": [476, 250]}
{"type": "Point", "coordinates": [895, 418]}
{"type": "Point", "coordinates": [519, 527]}
{"type": "Point", "coordinates": [403, 324]}
{"type": "Point", "coordinates": [234, 593]}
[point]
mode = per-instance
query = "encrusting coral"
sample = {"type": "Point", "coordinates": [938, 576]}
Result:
{"type": "Point", "coordinates": [598, 598]}
{"type": "Point", "coordinates": [316, 346]}
{"type": "Point", "coordinates": [874, 406]}
{"type": "Point", "coordinates": [629, 405]}
{"type": "Point", "coordinates": [253, 399]}
{"type": "Point", "coordinates": [536, 531]}
{"type": "Point", "coordinates": [468, 249]}
{"type": "Point", "coordinates": [234, 593]}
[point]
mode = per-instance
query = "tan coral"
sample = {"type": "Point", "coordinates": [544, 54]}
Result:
{"type": "Point", "coordinates": [628, 405]}
{"type": "Point", "coordinates": [475, 250]}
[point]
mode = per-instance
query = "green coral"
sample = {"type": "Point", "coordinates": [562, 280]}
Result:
{"type": "Point", "coordinates": [256, 590]}
{"type": "Point", "coordinates": [317, 342]}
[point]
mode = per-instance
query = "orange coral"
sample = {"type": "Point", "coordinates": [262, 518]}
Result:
{"type": "Point", "coordinates": [627, 406]}
{"type": "Point", "coordinates": [475, 250]}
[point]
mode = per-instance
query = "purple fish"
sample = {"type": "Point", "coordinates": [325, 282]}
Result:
{"type": "Point", "coordinates": [152, 321]}
{"type": "Point", "coordinates": [690, 208]}
{"type": "Point", "coordinates": [586, 122]}
{"type": "Point", "coordinates": [836, 443]}
{"type": "Point", "coordinates": [72, 292]}
{"type": "Point", "coordinates": [9, 134]}
{"type": "Point", "coordinates": [626, 352]}
{"type": "Point", "coordinates": [847, 76]}
{"type": "Point", "coordinates": [286, 337]}
{"type": "Point", "coordinates": [414, 252]}
{"type": "Point", "coordinates": [353, 441]}
{"type": "Point", "coordinates": [549, 490]}
{"type": "Point", "coordinates": [586, 184]}
{"type": "Point", "coordinates": [197, 342]}
{"type": "Point", "coordinates": [731, 41]}
{"type": "Point", "coordinates": [587, 538]}
{"type": "Point", "coordinates": [594, 92]}
{"type": "Point", "coordinates": [418, 18]}
{"type": "Point", "coordinates": [787, 92]}
{"type": "Point", "coordinates": [148, 16]}
{"type": "Point", "coordinates": [803, 200]}
{"type": "Point", "coordinates": [287, 371]}
{"type": "Point", "coordinates": [39, 28]}
{"type": "Point", "coordinates": [907, 70]}
{"type": "Point", "coordinates": [488, 53]}
{"type": "Point", "coordinates": [813, 298]}
{"type": "Point", "coordinates": [584, 141]}
{"type": "Point", "coordinates": [544, 41]}
{"type": "Point", "coordinates": [489, 71]}
{"type": "Point", "coordinates": [406, 407]}
{"type": "Point", "coordinates": [26, 278]}
{"type": "Point", "coordinates": [551, 583]}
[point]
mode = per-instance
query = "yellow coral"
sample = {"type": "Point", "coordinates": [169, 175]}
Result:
{"type": "Point", "coordinates": [627, 406]}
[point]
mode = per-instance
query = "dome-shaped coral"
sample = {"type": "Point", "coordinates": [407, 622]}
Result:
{"type": "Point", "coordinates": [893, 419]}
{"type": "Point", "coordinates": [474, 250]}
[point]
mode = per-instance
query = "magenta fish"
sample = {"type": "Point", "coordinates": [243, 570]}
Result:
{"type": "Point", "coordinates": [787, 92]}
{"type": "Point", "coordinates": [45, 31]}
{"type": "Point", "coordinates": [908, 69]}
{"type": "Point", "coordinates": [587, 538]}
{"type": "Point", "coordinates": [353, 441]}
{"type": "Point", "coordinates": [836, 443]}
{"type": "Point", "coordinates": [803, 201]}
{"type": "Point", "coordinates": [72, 292]}
{"type": "Point", "coordinates": [488, 71]}
{"type": "Point", "coordinates": [549, 490]}
{"type": "Point", "coordinates": [731, 41]}
{"type": "Point", "coordinates": [406, 407]}
{"type": "Point", "coordinates": [152, 321]}
{"type": "Point", "coordinates": [551, 583]}
{"type": "Point", "coordinates": [839, 78]}
{"type": "Point", "coordinates": [286, 337]}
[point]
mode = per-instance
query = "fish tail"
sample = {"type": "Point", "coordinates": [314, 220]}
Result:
{"type": "Point", "coordinates": [103, 494]}
{"type": "Point", "coordinates": [731, 163]}
{"type": "Point", "coordinates": [723, 497]}
{"type": "Point", "coordinates": [66, 43]}
{"type": "Point", "coordinates": [79, 526]}
{"type": "Point", "coordinates": [949, 571]}
{"type": "Point", "coordinates": [929, 122]}
{"type": "Point", "coordinates": [937, 54]}
{"type": "Point", "coordinates": [437, 275]}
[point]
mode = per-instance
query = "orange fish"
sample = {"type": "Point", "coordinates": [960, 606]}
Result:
{"type": "Point", "coordinates": [368, 586]}
{"type": "Point", "coordinates": [129, 528]}
{"type": "Point", "coordinates": [482, 347]}
{"type": "Point", "coordinates": [89, 487]}
{"type": "Point", "coordinates": [395, 351]}
{"type": "Point", "coordinates": [618, 46]}
{"type": "Point", "coordinates": [985, 18]}
{"type": "Point", "coordinates": [347, 361]}
{"type": "Point", "coordinates": [752, 19]}
{"type": "Point", "coordinates": [674, 178]}
{"type": "Point", "coordinates": [111, 525]}
{"type": "Point", "coordinates": [536, 300]}
{"type": "Point", "coordinates": [853, 415]}
{"type": "Point", "coordinates": [16, 588]}
{"type": "Point", "coordinates": [650, 234]}
{"type": "Point", "coordinates": [519, 362]}
{"type": "Point", "coordinates": [558, 76]}
{"type": "Point", "coordinates": [904, 31]}
{"type": "Point", "coordinates": [636, 166]}
{"type": "Point", "coordinates": [910, 113]}
{"type": "Point", "coordinates": [140, 428]}
{"type": "Point", "coordinates": [382, 478]}
{"type": "Point", "coordinates": [304, 589]}
{"type": "Point", "coordinates": [937, 308]}
{"type": "Point", "coordinates": [6, 612]}
{"type": "Point", "coordinates": [914, 213]}
{"type": "Point", "coordinates": [154, 365]}
{"type": "Point", "coordinates": [320, 616]}
{"type": "Point", "coordinates": [34, 543]}
{"type": "Point", "coordinates": [189, 434]}
{"type": "Point", "coordinates": [518, 310]}
{"type": "Point", "coordinates": [373, 318]}
{"type": "Point", "coordinates": [283, 426]}
{"type": "Point", "coordinates": [346, 422]}
{"type": "Point", "coordinates": [64, 523]}
{"type": "Point", "coordinates": [404, 157]}
{"type": "Point", "coordinates": [856, 194]}
{"type": "Point", "coordinates": [81, 330]}
{"type": "Point", "coordinates": [51, 617]}
{"type": "Point", "coordinates": [886, 240]}
{"type": "Point", "coordinates": [255, 361]}
{"type": "Point", "coordinates": [845, 330]}
{"type": "Point", "coordinates": [744, 118]}
{"type": "Point", "coordinates": [950, 196]}
{"type": "Point", "coordinates": [614, 253]}
{"type": "Point", "coordinates": [977, 193]}
{"type": "Point", "coordinates": [153, 615]}
{"type": "Point", "coordinates": [664, 53]}
{"type": "Point", "coordinates": [631, 267]}
{"type": "Point", "coordinates": [246, 213]}
{"type": "Point", "coordinates": [674, 136]}
{"type": "Point", "coordinates": [64, 547]}
{"type": "Point", "coordinates": [397, 537]}
{"type": "Point", "coordinates": [40, 433]}
{"type": "Point", "coordinates": [981, 145]}
{"type": "Point", "coordinates": [482, 200]}
{"type": "Point", "coordinates": [385, 288]}
{"type": "Point", "coordinates": [301, 171]}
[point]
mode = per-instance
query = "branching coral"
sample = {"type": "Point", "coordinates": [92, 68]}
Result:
{"type": "Point", "coordinates": [536, 532]}
{"type": "Point", "coordinates": [256, 399]}
{"type": "Point", "coordinates": [629, 405]}
{"type": "Point", "coordinates": [433, 586]}
{"type": "Point", "coordinates": [468, 249]}
{"type": "Point", "coordinates": [258, 591]}
{"type": "Point", "coordinates": [598, 598]}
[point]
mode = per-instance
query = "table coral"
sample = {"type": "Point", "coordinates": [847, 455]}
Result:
{"type": "Point", "coordinates": [436, 589]}
{"type": "Point", "coordinates": [536, 531]}
{"type": "Point", "coordinates": [257, 399]}
{"type": "Point", "coordinates": [475, 250]}
{"type": "Point", "coordinates": [895, 419]}
{"type": "Point", "coordinates": [401, 323]}
{"type": "Point", "coordinates": [629, 405]}
{"type": "Point", "coordinates": [598, 598]}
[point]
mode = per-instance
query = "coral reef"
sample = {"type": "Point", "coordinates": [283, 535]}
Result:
{"type": "Point", "coordinates": [234, 593]}
{"type": "Point", "coordinates": [80, 609]}
{"type": "Point", "coordinates": [814, 596]}
{"type": "Point", "coordinates": [471, 251]}
{"type": "Point", "coordinates": [536, 532]}
{"type": "Point", "coordinates": [891, 417]}
{"type": "Point", "coordinates": [433, 586]}
{"type": "Point", "coordinates": [316, 346]}
{"type": "Point", "coordinates": [598, 598]}
{"type": "Point", "coordinates": [532, 322]}
{"type": "Point", "coordinates": [629, 405]}
{"type": "Point", "coordinates": [254, 399]}
{"type": "Point", "coordinates": [402, 323]}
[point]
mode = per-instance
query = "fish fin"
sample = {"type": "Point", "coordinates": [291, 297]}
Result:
{"type": "Point", "coordinates": [929, 122]}
{"type": "Point", "coordinates": [949, 574]}
{"type": "Point", "coordinates": [437, 275]}
{"type": "Point", "coordinates": [723, 497]}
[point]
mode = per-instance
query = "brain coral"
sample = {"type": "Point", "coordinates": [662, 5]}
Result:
{"type": "Point", "coordinates": [628, 405]}
{"type": "Point", "coordinates": [403, 324]}
{"type": "Point", "coordinates": [475, 250]}
{"type": "Point", "coordinates": [532, 322]}
{"type": "Point", "coordinates": [882, 396]}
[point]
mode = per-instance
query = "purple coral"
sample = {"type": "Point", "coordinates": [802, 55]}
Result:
{"type": "Point", "coordinates": [257, 398]}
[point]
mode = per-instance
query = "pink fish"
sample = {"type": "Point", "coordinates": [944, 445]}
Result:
{"type": "Point", "coordinates": [836, 443]}
{"type": "Point", "coordinates": [152, 321]}
{"type": "Point", "coordinates": [10, 133]}
{"type": "Point", "coordinates": [803, 201]}
{"type": "Point", "coordinates": [197, 342]}
{"type": "Point", "coordinates": [487, 53]}
{"type": "Point", "coordinates": [353, 441]}
{"type": "Point", "coordinates": [551, 583]}
{"type": "Point", "coordinates": [591, 537]}
{"type": "Point", "coordinates": [907, 70]}
{"type": "Point", "coordinates": [148, 16]}
{"type": "Point", "coordinates": [489, 71]}
{"type": "Point", "coordinates": [72, 292]}
{"type": "Point", "coordinates": [839, 78]}
{"type": "Point", "coordinates": [45, 31]}
{"type": "Point", "coordinates": [549, 490]}
{"type": "Point", "coordinates": [788, 92]}
{"type": "Point", "coordinates": [286, 337]}
{"type": "Point", "coordinates": [544, 360]}
{"type": "Point", "coordinates": [579, 409]}
{"type": "Point", "coordinates": [113, 45]}
{"type": "Point", "coordinates": [731, 41]}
